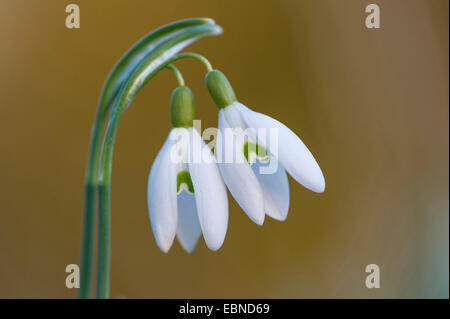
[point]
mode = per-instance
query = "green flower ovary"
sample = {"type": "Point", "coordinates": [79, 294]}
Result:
{"type": "Point", "coordinates": [259, 150]}
{"type": "Point", "coordinates": [183, 177]}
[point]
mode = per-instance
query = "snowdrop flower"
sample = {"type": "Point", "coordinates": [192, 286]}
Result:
{"type": "Point", "coordinates": [186, 198]}
{"type": "Point", "coordinates": [258, 193]}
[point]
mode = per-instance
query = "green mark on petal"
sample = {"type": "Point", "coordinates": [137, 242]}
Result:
{"type": "Point", "coordinates": [259, 150]}
{"type": "Point", "coordinates": [184, 177]}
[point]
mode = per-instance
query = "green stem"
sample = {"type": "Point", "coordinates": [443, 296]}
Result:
{"type": "Point", "coordinates": [104, 244]}
{"type": "Point", "coordinates": [196, 56]}
{"type": "Point", "coordinates": [89, 210]}
{"type": "Point", "coordinates": [159, 58]}
{"type": "Point", "coordinates": [177, 73]}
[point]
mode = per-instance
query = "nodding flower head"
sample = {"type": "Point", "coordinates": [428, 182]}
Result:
{"type": "Point", "coordinates": [257, 177]}
{"type": "Point", "coordinates": [186, 198]}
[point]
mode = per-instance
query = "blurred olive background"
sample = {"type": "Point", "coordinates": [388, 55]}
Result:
{"type": "Point", "coordinates": [371, 104]}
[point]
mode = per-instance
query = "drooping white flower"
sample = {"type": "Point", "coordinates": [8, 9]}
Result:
{"type": "Point", "coordinates": [186, 198]}
{"type": "Point", "coordinates": [186, 195]}
{"type": "Point", "coordinates": [257, 192]}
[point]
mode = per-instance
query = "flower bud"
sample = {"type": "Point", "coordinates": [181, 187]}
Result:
{"type": "Point", "coordinates": [220, 89]}
{"type": "Point", "coordinates": [182, 107]}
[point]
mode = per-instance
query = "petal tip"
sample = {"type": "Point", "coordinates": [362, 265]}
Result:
{"type": "Point", "coordinates": [320, 186]}
{"type": "Point", "coordinates": [214, 246]}
{"type": "Point", "coordinates": [164, 242]}
{"type": "Point", "coordinates": [258, 220]}
{"type": "Point", "coordinates": [315, 184]}
{"type": "Point", "coordinates": [164, 248]}
{"type": "Point", "coordinates": [189, 248]}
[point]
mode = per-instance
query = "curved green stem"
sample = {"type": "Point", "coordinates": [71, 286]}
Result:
{"type": "Point", "coordinates": [196, 56]}
{"type": "Point", "coordinates": [183, 55]}
{"type": "Point", "coordinates": [177, 73]}
{"type": "Point", "coordinates": [159, 58]}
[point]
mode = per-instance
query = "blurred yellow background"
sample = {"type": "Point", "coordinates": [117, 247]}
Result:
{"type": "Point", "coordinates": [372, 106]}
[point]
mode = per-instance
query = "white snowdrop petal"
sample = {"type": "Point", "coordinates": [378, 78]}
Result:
{"type": "Point", "coordinates": [162, 198]}
{"type": "Point", "coordinates": [210, 196]}
{"type": "Point", "coordinates": [188, 229]}
{"type": "Point", "coordinates": [292, 153]}
{"type": "Point", "coordinates": [275, 189]}
{"type": "Point", "coordinates": [239, 177]}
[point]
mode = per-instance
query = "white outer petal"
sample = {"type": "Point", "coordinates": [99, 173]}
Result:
{"type": "Point", "coordinates": [275, 189]}
{"type": "Point", "coordinates": [292, 153]}
{"type": "Point", "coordinates": [162, 198]}
{"type": "Point", "coordinates": [210, 196]}
{"type": "Point", "coordinates": [188, 229]}
{"type": "Point", "coordinates": [240, 178]}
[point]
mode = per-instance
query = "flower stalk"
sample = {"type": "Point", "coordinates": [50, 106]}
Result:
{"type": "Point", "coordinates": [177, 74]}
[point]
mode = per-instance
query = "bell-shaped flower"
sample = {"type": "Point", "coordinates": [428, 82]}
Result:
{"type": "Point", "coordinates": [255, 151]}
{"type": "Point", "coordinates": [186, 194]}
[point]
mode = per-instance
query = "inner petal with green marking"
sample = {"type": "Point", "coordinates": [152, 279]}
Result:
{"type": "Point", "coordinates": [259, 152]}
{"type": "Point", "coordinates": [184, 181]}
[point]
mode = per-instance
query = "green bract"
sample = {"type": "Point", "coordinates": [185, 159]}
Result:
{"type": "Point", "coordinates": [220, 89]}
{"type": "Point", "coordinates": [182, 107]}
